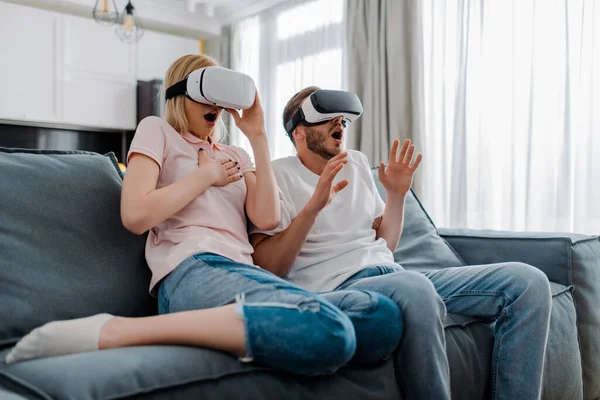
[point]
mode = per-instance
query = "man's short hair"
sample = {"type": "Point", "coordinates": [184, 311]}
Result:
{"type": "Point", "coordinates": [294, 104]}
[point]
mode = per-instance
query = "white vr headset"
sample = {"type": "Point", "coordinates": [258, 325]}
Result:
{"type": "Point", "coordinates": [324, 105]}
{"type": "Point", "coordinates": [216, 86]}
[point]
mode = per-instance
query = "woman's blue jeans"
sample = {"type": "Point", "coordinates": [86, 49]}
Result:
{"type": "Point", "coordinates": [288, 327]}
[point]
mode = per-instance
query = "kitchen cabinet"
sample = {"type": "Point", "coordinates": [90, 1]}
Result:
{"type": "Point", "coordinates": [70, 71]}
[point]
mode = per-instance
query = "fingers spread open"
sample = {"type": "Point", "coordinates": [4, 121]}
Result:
{"type": "Point", "coordinates": [331, 175]}
{"type": "Point", "coordinates": [403, 150]}
{"type": "Point", "coordinates": [415, 165]}
{"type": "Point", "coordinates": [394, 151]}
{"type": "Point", "coordinates": [381, 171]}
{"type": "Point", "coordinates": [340, 185]}
{"type": "Point", "coordinates": [409, 154]}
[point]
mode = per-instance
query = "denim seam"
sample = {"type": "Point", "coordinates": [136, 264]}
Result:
{"type": "Point", "coordinates": [267, 304]}
{"type": "Point", "coordinates": [495, 363]}
{"type": "Point", "coordinates": [479, 293]}
{"type": "Point", "coordinates": [241, 303]}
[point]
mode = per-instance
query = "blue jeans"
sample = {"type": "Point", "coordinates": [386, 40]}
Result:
{"type": "Point", "coordinates": [287, 327]}
{"type": "Point", "coordinates": [515, 295]}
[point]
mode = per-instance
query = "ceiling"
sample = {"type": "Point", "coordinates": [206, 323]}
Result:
{"type": "Point", "coordinates": [225, 11]}
{"type": "Point", "coordinates": [193, 18]}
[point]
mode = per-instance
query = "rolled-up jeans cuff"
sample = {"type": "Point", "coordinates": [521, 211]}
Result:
{"type": "Point", "coordinates": [239, 310]}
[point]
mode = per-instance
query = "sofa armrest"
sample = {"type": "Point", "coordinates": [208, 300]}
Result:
{"type": "Point", "coordinates": [566, 258]}
{"type": "Point", "coordinates": [550, 252]}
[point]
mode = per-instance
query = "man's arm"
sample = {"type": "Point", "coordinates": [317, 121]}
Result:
{"type": "Point", "coordinates": [277, 253]}
{"type": "Point", "coordinates": [397, 180]}
{"type": "Point", "coordinates": [392, 222]}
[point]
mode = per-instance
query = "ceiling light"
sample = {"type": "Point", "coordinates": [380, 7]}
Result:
{"type": "Point", "coordinates": [129, 28]}
{"type": "Point", "coordinates": [105, 12]}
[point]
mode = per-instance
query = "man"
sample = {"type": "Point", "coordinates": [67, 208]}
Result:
{"type": "Point", "coordinates": [337, 233]}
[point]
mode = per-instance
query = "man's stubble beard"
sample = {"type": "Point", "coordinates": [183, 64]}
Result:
{"type": "Point", "coordinates": [316, 143]}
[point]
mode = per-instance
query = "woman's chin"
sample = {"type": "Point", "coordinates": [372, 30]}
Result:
{"type": "Point", "coordinates": [202, 131]}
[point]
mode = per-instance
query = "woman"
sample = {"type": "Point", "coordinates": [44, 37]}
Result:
{"type": "Point", "coordinates": [193, 195]}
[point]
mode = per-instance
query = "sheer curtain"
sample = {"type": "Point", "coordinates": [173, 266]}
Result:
{"type": "Point", "coordinates": [284, 50]}
{"type": "Point", "coordinates": [512, 128]}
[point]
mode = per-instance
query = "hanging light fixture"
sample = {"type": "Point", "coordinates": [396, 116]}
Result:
{"type": "Point", "coordinates": [105, 12]}
{"type": "Point", "coordinates": [129, 28]}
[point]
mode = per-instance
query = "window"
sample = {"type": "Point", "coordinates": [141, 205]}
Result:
{"type": "Point", "coordinates": [284, 50]}
{"type": "Point", "coordinates": [509, 121]}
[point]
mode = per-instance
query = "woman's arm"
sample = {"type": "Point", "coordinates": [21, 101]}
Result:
{"type": "Point", "coordinates": [262, 200]}
{"type": "Point", "coordinates": [143, 206]}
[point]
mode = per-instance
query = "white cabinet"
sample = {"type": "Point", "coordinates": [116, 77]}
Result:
{"type": "Point", "coordinates": [156, 51]}
{"type": "Point", "coordinates": [89, 100]}
{"type": "Point", "coordinates": [29, 65]}
{"type": "Point", "coordinates": [68, 70]}
{"type": "Point", "coordinates": [98, 82]}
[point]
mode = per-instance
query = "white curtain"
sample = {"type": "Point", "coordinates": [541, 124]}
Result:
{"type": "Point", "coordinates": [385, 69]}
{"type": "Point", "coordinates": [285, 49]}
{"type": "Point", "coordinates": [512, 127]}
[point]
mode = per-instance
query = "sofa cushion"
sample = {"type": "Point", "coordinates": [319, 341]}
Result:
{"type": "Point", "coordinates": [567, 258]}
{"type": "Point", "coordinates": [7, 395]}
{"type": "Point", "coordinates": [179, 372]}
{"type": "Point", "coordinates": [63, 250]}
{"type": "Point", "coordinates": [420, 247]}
{"type": "Point", "coordinates": [562, 368]}
{"type": "Point", "coordinates": [469, 345]}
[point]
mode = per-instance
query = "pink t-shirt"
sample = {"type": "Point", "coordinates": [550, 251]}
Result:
{"type": "Point", "coordinates": [214, 222]}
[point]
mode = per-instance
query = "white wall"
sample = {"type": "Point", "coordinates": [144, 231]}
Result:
{"type": "Point", "coordinates": [156, 51]}
{"type": "Point", "coordinates": [63, 69]}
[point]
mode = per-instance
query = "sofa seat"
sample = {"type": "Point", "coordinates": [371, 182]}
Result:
{"type": "Point", "coordinates": [179, 372]}
{"type": "Point", "coordinates": [153, 372]}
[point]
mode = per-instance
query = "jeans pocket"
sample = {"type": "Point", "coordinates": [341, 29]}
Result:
{"type": "Point", "coordinates": [163, 300]}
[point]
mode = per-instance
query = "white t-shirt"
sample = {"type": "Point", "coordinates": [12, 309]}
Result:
{"type": "Point", "coordinates": [342, 241]}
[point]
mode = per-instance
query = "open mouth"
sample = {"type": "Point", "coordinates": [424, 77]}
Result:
{"type": "Point", "coordinates": [210, 117]}
{"type": "Point", "coordinates": [337, 134]}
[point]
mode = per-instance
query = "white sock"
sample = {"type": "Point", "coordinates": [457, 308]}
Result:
{"type": "Point", "coordinates": [59, 338]}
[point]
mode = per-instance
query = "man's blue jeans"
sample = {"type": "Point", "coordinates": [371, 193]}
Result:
{"type": "Point", "coordinates": [515, 295]}
{"type": "Point", "coordinates": [288, 327]}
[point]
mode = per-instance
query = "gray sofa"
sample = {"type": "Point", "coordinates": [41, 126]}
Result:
{"type": "Point", "coordinates": [64, 254]}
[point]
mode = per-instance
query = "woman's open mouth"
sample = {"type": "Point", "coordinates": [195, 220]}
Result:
{"type": "Point", "coordinates": [210, 118]}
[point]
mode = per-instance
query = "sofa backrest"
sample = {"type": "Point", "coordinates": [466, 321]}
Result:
{"type": "Point", "coordinates": [421, 248]}
{"type": "Point", "coordinates": [63, 250]}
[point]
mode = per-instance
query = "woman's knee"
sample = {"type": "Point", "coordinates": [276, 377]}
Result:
{"type": "Point", "coordinates": [313, 338]}
{"type": "Point", "coordinates": [378, 328]}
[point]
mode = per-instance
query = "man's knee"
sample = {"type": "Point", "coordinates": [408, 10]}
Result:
{"type": "Point", "coordinates": [414, 291]}
{"type": "Point", "coordinates": [529, 282]}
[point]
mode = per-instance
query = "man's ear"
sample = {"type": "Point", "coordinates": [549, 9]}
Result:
{"type": "Point", "coordinates": [298, 133]}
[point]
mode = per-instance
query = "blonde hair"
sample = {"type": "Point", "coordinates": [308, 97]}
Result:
{"type": "Point", "coordinates": [175, 107]}
{"type": "Point", "coordinates": [295, 103]}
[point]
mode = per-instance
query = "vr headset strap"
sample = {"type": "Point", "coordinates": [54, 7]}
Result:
{"type": "Point", "coordinates": [294, 122]}
{"type": "Point", "coordinates": [177, 89]}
